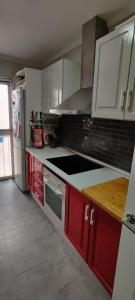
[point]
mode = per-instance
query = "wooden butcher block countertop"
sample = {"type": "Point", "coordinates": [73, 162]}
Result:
{"type": "Point", "coordinates": [111, 196]}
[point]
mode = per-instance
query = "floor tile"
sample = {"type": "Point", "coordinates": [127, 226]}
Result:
{"type": "Point", "coordinates": [39, 282]}
{"type": "Point", "coordinates": [11, 219]}
{"type": "Point", "coordinates": [6, 272]}
{"type": "Point", "coordinates": [82, 288]}
{"type": "Point", "coordinates": [36, 263]}
{"type": "Point", "coordinates": [40, 250]}
{"type": "Point", "coordinates": [3, 248]}
{"type": "Point", "coordinates": [22, 235]}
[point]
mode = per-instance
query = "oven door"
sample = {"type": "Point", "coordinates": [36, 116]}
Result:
{"type": "Point", "coordinates": [54, 204]}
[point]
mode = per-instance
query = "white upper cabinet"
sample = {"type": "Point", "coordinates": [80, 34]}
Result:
{"type": "Point", "coordinates": [59, 81]}
{"type": "Point", "coordinates": [71, 78]}
{"type": "Point", "coordinates": [46, 89]}
{"type": "Point", "coordinates": [56, 84]}
{"type": "Point", "coordinates": [130, 101]}
{"type": "Point", "coordinates": [52, 86]}
{"type": "Point", "coordinates": [112, 62]}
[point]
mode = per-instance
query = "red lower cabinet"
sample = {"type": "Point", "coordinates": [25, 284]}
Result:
{"type": "Point", "coordinates": [103, 248]}
{"type": "Point", "coordinates": [35, 178]}
{"type": "Point", "coordinates": [29, 159]}
{"type": "Point", "coordinates": [94, 233]}
{"type": "Point", "coordinates": [77, 220]}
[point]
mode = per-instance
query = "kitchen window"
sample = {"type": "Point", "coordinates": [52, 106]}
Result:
{"type": "Point", "coordinates": [5, 131]}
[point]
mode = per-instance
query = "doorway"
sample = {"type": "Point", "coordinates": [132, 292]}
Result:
{"type": "Point", "coordinates": [6, 170]}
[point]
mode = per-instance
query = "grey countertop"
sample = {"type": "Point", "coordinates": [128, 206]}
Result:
{"type": "Point", "coordinates": [80, 180]}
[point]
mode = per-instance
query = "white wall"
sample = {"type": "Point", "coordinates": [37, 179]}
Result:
{"type": "Point", "coordinates": [9, 68]}
{"type": "Point", "coordinates": [67, 52]}
{"type": "Point", "coordinates": [74, 55]}
{"type": "Point", "coordinates": [74, 49]}
{"type": "Point", "coordinates": [121, 15]}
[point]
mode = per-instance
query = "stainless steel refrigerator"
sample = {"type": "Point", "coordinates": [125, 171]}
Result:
{"type": "Point", "coordinates": [19, 141]}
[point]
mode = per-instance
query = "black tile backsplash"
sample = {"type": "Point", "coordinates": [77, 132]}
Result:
{"type": "Point", "coordinates": [110, 141]}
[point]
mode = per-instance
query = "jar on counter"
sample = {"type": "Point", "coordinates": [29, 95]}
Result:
{"type": "Point", "coordinates": [38, 140]}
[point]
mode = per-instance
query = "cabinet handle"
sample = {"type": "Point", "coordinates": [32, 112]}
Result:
{"type": "Point", "coordinates": [58, 97]}
{"type": "Point", "coordinates": [36, 184]}
{"type": "Point", "coordinates": [37, 194]}
{"type": "Point", "coordinates": [91, 216]}
{"type": "Point", "coordinates": [122, 100]}
{"type": "Point", "coordinates": [129, 98]}
{"type": "Point", "coordinates": [86, 212]}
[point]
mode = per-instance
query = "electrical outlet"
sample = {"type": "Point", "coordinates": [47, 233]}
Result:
{"type": "Point", "coordinates": [87, 124]}
{"type": "Point", "coordinates": [85, 142]}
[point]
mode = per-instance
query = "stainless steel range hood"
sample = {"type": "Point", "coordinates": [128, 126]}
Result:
{"type": "Point", "coordinates": [78, 103]}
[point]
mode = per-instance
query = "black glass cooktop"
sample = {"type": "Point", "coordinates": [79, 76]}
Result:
{"type": "Point", "coordinates": [73, 164]}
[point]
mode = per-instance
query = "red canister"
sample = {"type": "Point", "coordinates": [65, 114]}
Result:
{"type": "Point", "coordinates": [38, 140]}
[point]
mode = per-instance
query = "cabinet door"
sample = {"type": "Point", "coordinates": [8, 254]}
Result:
{"type": "Point", "coordinates": [103, 256]}
{"type": "Point", "coordinates": [71, 78]}
{"type": "Point", "coordinates": [56, 83]}
{"type": "Point", "coordinates": [46, 90]}
{"type": "Point", "coordinates": [130, 101]}
{"type": "Point", "coordinates": [77, 220]}
{"type": "Point", "coordinates": [124, 285]}
{"type": "Point", "coordinates": [111, 73]}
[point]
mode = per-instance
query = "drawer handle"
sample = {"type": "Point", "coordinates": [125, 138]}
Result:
{"type": "Point", "coordinates": [86, 213]}
{"type": "Point", "coordinates": [91, 216]}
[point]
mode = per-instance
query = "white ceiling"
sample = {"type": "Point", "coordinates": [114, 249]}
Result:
{"type": "Point", "coordinates": [32, 30]}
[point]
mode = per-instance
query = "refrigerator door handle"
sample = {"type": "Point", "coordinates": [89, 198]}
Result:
{"type": "Point", "coordinates": [22, 116]}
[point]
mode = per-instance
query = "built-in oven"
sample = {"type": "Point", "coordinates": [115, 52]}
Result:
{"type": "Point", "coordinates": [54, 199]}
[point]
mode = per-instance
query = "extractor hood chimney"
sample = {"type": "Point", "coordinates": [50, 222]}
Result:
{"type": "Point", "coordinates": [80, 102]}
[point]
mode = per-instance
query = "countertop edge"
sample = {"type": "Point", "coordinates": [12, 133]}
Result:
{"type": "Point", "coordinates": [113, 214]}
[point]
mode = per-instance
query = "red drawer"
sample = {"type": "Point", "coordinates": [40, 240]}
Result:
{"type": "Point", "coordinates": [39, 195]}
{"type": "Point", "coordinates": [32, 183]}
{"type": "Point", "coordinates": [37, 189]}
{"type": "Point", "coordinates": [37, 179]}
{"type": "Point", "coordinates": [38, 186]}
{"type": "Point", "coordinates": [38, 176]}
{"type": "Point", "coordinates": [37, 165]}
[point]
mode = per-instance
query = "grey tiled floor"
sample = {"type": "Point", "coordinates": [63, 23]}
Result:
{"type": "Point", "coordinates": [36, 263]}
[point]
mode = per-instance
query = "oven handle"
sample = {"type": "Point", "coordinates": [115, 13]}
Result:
{"type": "Point", "coordinates": [53, 187]}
